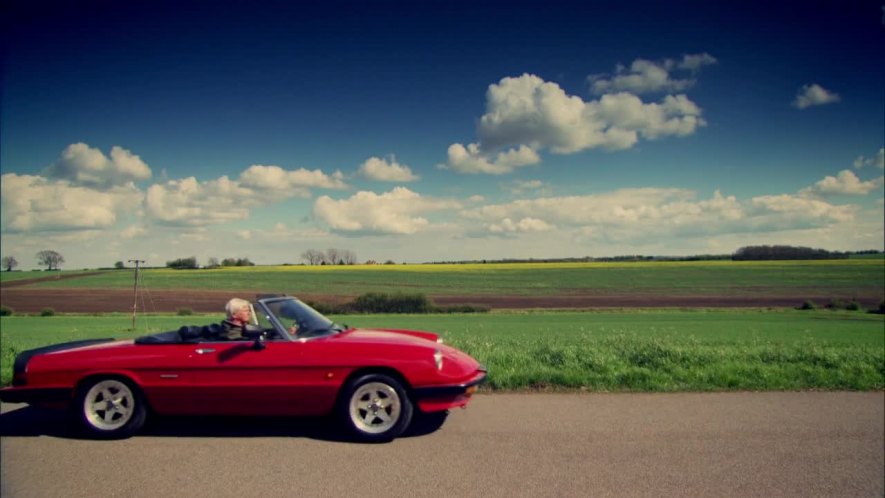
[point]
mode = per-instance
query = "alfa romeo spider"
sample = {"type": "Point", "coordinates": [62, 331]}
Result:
{"type": "Point", "coordinates": [293, 361]}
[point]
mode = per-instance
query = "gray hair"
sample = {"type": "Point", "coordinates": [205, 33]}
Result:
{"type": "Point", "coordinates": [234, 305]}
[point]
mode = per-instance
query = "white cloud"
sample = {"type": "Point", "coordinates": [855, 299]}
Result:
{"type": "Point", "coordinates": [396, 212]}
{"type": "Point", "coordinates": [133, 231]}
{"type": "Point", "coordinates": [85, 166]}
{"type": "Point", "coordinates": [35, 204]}
{"type": "Point", "coordinates": [529, 115]}
{"type": "Point", "coordinates": [694, 62]}
{"type": "Point", "coordinates": [814, 94]}
{"type": "Point", "coordinates": [645, 76]}
{"type": "Point", "coordinates": [199, 235]}
{"type": "Point", "coordinates": [878, 161]}
{"type": "Point", "coordinates": [640, 214]}
{"type": "Point", "coordinates": [189, 202]}
{"type": "Point", "coordinates": [528, 110]}
{"type": "Point", "coordinates": [386, 171]}
{"type": "Point", "coordinates": [845, 183]}
{"type": "Point", "coordinates": [471, 160]}
{"type": "Point", "coordinates": [675, 115]}
{"type": "Point", "coordinates": [523, 187]}
{"type": "Point", "coordinates": [522, 226]}
{"type": "Point", "coordinates": [786, 203]}
{"type": "Point", "coordinates": [280, 183]}
{"type": "Point", "coordinates": [281, 234]}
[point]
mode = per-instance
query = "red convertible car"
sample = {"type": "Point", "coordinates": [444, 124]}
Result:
{"type": "Point", "coordinates": [377, 382]}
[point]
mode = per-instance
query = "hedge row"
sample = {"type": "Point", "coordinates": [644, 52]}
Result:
{"type": "Point", "coordinates": [379, 302]}
{"type": "Point", "coordinates": [836, 304]}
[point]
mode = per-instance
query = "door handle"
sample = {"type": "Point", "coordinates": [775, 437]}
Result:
{"type": "Point", "coordinates": [205, 350]}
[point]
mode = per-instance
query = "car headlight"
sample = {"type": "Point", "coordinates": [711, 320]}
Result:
{"type": "Point", "coordinates": [438, 359]}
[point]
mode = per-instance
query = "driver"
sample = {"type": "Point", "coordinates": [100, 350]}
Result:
{"type": "Point", "coordinates": [239, 315]}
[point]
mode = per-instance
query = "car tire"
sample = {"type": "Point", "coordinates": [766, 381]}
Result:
{"type": "Point", "coordinates": [424, 423]}
{"type": "Point", "coordinates": [375, 408]}
{"type": "Point", "coordinates": [109, 408]}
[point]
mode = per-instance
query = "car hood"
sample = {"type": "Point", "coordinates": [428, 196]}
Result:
{"type": "Point", "coordinates": [388, 336]}
{"type": "Point", "coordinates": [387, 342]}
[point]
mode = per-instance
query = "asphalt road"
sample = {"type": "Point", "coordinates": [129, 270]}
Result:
{"type": "Point", "coordinates": [503, 445]}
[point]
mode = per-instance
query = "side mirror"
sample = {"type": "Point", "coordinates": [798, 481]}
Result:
{"type": "Point", "coordinates": [259, 344]}
{"type": "Point", "coordinates": [257, 335]}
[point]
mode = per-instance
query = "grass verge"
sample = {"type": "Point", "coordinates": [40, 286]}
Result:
{"type": "Point", "coordinates": [634, 350]}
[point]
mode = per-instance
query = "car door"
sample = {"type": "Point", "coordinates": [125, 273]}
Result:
{"type": "Point", "coordinates": [234, 378]}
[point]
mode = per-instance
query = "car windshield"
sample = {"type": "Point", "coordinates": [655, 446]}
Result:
{"type": "Point", "coordinates": [307, 322]}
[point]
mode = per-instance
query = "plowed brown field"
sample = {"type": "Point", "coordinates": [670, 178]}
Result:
{"type": "Point", "coordinates": [25, 300]}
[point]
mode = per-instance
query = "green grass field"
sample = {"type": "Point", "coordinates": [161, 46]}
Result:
{"type": "Point", "coordinates": [638, 350]}
{"type": "Point", "coordinates": [721, 278]}
{"type": "Point", "coordinates": [6, 276]}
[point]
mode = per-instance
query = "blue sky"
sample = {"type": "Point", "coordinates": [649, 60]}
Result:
{"type": "Point", "coordinates": [428, 131]}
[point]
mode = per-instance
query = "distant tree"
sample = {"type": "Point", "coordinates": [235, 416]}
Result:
{"type": "Point", "coordinates": [333, 256]}
{"type": "Point", "coordinates": [236, 262]}
{"type": "Point", "coordinates": [51, 259]}
{"type": "Point", "coordinates": [761, 253]}
{"type": "Point", "coordinates": [349, 257]}
{"type": "Point", "coordinates": [9, 262]}
{"type": "Point", "coordinates": [313, 257]}
{"type": "Point", "coordinates": [212, 263]}
{"type": "Point", "coordinates": [119, 265]}
{"type": "Point", "coordinates": [183, 263]}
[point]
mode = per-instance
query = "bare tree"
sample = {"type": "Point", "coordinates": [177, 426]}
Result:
{"type": "Point", "coordinates": [313, 256]}
{"type": "Point", "coordinates": [51, 259]}
{"type": "Point", "coordinates": [9, 262]}
{"type": "Point", "coordinates": [333, 256]}
{"type": "Point", "coordinates": [349, 257]}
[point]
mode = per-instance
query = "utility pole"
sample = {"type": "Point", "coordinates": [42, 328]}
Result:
{"type": "Point", "coordinates": [135, 290]}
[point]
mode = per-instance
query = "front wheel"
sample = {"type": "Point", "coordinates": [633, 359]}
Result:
{"type": "Point", "coordinates": [110, 408]}
{"type": "Point", "coordinates": [375, 408]}
{"type": "Point", "coordinates": [425, 423]}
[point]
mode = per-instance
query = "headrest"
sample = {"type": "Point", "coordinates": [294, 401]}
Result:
{"type": "Point", "coordinates": [211, 331]}
{"type": "Point", "coordinates": [189, 333]}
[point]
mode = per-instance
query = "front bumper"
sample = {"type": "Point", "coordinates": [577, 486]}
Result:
{"type": "Point", "coordinates": [44, 396]}
{"type": "Point", "coordinates": [445, 397]}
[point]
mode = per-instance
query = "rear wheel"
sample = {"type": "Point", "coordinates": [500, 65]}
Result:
{"type": "Point", "coordinates": [110, 408]}
{"type": "Point", "coordinates": [375, 407]}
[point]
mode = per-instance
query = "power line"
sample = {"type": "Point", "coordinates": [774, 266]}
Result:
{"type": "Point", "coordinates": [135, 290]}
